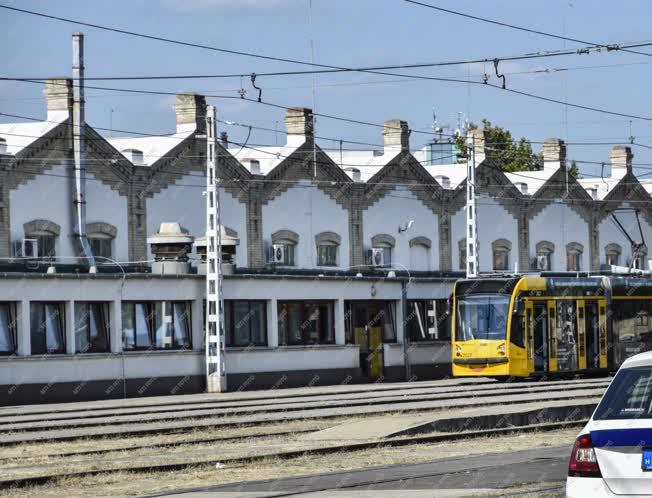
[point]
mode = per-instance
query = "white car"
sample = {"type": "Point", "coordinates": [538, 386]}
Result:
{"type": "Point", "coordinates": [612, 455]}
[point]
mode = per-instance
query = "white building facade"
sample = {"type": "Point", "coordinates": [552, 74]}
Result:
{"type": "Point", "coordinates": [343, 270]}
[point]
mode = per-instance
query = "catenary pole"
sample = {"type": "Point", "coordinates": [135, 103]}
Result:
{"type": "Point", "coordinates": [215, 360]}
{"type": "Point", "coordinates": [471, 221]}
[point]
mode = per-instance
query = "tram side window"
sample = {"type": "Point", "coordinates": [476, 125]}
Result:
{"type": "Point", "coordinates": [517, 334]}
{"type": "Point", "coordinates": [632, 320]}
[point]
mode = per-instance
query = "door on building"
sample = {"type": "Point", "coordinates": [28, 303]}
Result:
{"type": "Point", "coordinates": [369, 324]}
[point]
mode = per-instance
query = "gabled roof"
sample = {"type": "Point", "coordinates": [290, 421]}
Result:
{"type": "Point", "coordinates": [21, 135]}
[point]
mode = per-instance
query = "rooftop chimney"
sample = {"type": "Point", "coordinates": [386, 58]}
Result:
{"type": "Point", "coordinates": [224, 139]}
{"type": "Point", "coordinates": [58, 93]}
{"type": "Point", "coordinates": [191, 112]}
{"type": "Point", "coordinates": [170, 247]}
{"type": "Point", "coordinates": [554, 154]}
{"type": "Point", "coordinates": [477, 138]}
{"type": "Point", "coordinates": [299, 124]}
{"type": "Point", "coordinates": [3, 146]}
{"type": "Point", "coordinates": [396, 136]}
{"type": "Point", "coordinates": [354, 173]}
{"type": "Point", "coordinates": [621, 160]}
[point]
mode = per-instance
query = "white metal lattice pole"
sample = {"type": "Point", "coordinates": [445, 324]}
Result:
{"type": "Point", "coordinates": [471, 221]}
{"type": "Point", "coordinates": [215, 358]}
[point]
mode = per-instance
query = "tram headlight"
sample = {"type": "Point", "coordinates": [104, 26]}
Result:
{"type": "Point", "coordinates": [501, 350]}
{"type": "Point", "coordinates": [458, 350]}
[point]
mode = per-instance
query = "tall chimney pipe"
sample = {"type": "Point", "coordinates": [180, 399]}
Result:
{"type": "Point", "coordinates": [79, 148]}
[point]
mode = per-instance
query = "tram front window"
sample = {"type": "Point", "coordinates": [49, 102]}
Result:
{"type": "Point", "coordinates": [482, 317]}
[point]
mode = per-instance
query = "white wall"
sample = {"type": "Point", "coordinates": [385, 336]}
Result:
{"type": "Point", "coordinates": [107, 206]}
{"type": "Point", "coordinates": [48, 198]}
{"type": "Point", "coordinates": [396, 209]}
{"type": "Point", "coordinates": [187, 206]}
{"type": "Point", "coordinates": [559, 224]}
{"type": "Point", "coordinates": [308, 211]}
{"type": "Point", "coordinates": [609, 232]}
{"type": "Point", "coordinates": [494, 222]}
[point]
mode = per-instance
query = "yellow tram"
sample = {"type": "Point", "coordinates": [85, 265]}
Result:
{"type": "Point", "coordinates": [523, 326]}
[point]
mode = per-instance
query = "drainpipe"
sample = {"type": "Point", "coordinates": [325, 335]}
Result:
{"type": "Point", "coordinates": [79, 149]}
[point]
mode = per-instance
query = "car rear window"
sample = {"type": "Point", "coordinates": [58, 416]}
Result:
{"type": "Point", "coordinates": [629, 396]}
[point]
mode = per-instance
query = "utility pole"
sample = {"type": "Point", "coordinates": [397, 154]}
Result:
{"type": "Point", "coordinates": [471, 221]}
{"type": "Point", "coordinates": [215, 357]}
{"type": "Point", "coordinates": [79, 148]}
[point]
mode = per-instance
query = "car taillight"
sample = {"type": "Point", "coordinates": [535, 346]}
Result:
{"type": "Point", "coordinates": [583, 462]}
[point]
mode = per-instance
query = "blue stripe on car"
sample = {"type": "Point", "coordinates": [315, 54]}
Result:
{"type": "Point", "coordinates": [622, 437]}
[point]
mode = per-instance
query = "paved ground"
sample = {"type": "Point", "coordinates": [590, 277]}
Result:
{"type": "Point", "coordinates": [542, 469]}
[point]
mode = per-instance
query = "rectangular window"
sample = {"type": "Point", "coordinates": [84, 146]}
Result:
{"type": "Point", "coordinates": [7, 328]}
{"type": "Point", "coordinates": [245, 323]}
{"type": "Point", "coordinates": [306, 322]}
{"type": "Point", "coordinates": [501, 260]}
{"type": "Point", "coordinates": [428, 320]}
{"type": "Point", "coordinates": [47, 328]}
{"type": "Point", "coordinates": [46, 246]}
{"type": "Point", "coordinates": [573, 261]}
{"type": "Point", "coordinates": [92, 327]}
{"type": "Point", "coordinates": [363, 315]}
{"type": "Point", "coordinates": [101, 247]}
{"type": "Point", "coordinates": [156, 325]}
{"type": "Point", "coordinates": [326, 255]}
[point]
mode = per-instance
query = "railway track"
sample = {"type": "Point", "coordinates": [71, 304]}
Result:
{"type": "Point", "coordinates": [170, 434]}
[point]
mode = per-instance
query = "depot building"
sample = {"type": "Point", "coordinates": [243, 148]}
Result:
{"type": "Point", "coordinates": [337, 264]}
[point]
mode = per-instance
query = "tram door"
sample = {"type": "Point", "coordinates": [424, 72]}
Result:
{"type": "Point", "coordinates": [540, 332]}
{"type": "Point", "coordinates": [565, 334]}
{"type": "Point", "coordinates": [592, 333]}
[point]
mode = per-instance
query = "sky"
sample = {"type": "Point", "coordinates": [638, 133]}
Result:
{"type": "Point", "coordinates": [349, 33]}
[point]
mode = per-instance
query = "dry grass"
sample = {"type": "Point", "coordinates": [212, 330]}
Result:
{"type": "Point", "coordinates": [136, 483]}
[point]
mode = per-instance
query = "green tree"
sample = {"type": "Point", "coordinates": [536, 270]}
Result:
{"type": "Point", "coordinates": [512, 155]}
{"type": "Point", "coordinates": [573, 170]}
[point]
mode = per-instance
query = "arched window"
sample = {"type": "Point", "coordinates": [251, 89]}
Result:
{"type": "Point", "coordinates": [574, 252]}
{"type": "Point", "coordinates": [45, 232]}
{"type": "Point", "coordinates": [501, 249]}
{"type": "Point", "coordinates": [612, 254]}
{"type": "Point", "coordinates": [640, 259]}
{"type": "Point", "coordinates": [545, 250]}
{"type": "Point", "coordinates": [382, 244]}
{"type": "Point", "coordinates": [327, 244]}
{"type": "Point", "coordinates": [283, 250]}
{"type": "Point", "coordinates": [100, 237]}
{"type": "Point", "coordinates": [420, 253]}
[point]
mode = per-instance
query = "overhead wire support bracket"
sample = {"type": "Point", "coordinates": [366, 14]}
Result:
{"type": "Point", "coordinates": [496, 61]}
{"type": "Point", "coordinates": [253, 83]}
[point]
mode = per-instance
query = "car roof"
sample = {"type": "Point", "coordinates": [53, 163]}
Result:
{"type": "Point", "coordinates": [639, 360]}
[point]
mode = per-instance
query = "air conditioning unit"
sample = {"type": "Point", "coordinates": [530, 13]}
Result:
{"type": "Point", "coordinates": [377, 256]}
{"type": "Point", "coordinates": [25, 248]}
{"type": "Point", "coordinates": [278, 254]}
{"type": "Point", "coordinates": [542, 263]}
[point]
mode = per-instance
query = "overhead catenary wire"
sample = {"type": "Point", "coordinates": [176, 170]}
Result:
{"type": "Point", "coordinates": [519, 28]}
{"type": "Point", "coordinates": [255, 55]}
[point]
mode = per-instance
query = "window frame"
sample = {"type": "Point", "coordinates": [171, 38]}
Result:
{"type": "Point", "coordinates": [574, 250]}
{"type": "Point", "coordinates": [503, 248]}
{"type": "Point", "coordinates": [12, 328]}
{"type": "Point", "coordinates": [440, 320]}
{"type": "Point", "coordinates": [153, 325]}
{"type": "Point", "coordinates": [61, 318]}
{"type": "Point", "coordinates": [229, 323]}
{"type": "Point", "coordinates": [284, 335]}
{"type": "Point", "coordinates": [106, 318]}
